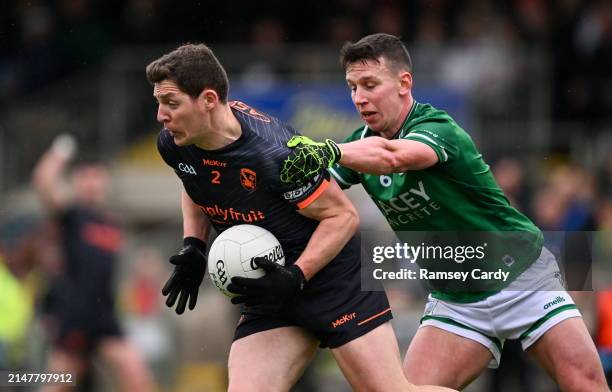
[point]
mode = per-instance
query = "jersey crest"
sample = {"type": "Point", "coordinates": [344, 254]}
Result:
{"type": "Point", "coordinates": [248, 179]}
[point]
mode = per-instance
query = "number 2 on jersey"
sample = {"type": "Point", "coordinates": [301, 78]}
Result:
{"type": "Point", "coordinates": [216, 177]}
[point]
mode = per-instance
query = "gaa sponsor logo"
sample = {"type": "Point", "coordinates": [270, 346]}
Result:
{"type": "Point", "coordinates": [221, 274]}
{"type": "Point", "coordinates": [185, 168]}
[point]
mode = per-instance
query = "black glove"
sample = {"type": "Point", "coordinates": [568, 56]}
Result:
{"type": "Point", "coordinates": [308, 159]}
{"type": "Point", "coordinates": [278, 284]}
{"type": "Point", "coordinates": [190, 267]}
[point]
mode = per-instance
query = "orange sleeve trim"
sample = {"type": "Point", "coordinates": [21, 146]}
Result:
{"type": "Point", "coordinates": [373, 317]}
{"type": "Point", "coordinates": [307, 201]}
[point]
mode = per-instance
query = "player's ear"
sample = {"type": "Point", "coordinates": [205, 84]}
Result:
{"type": "Point", "coordinates": [405, 79]}
{"type": "Point", "coordinates": [209, 98]}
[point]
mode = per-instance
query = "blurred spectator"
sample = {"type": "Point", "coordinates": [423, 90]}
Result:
{"type": "Point", "coordinates": [268, 37]}
{"type": "Point", "coordinates": [16, 309]}
{"type": "Point", "coordinates": [83, 35]}
{"type": "Point", "coordinates": [19, 240]}
{"type": "Point", "coordinates": [564, 208]}
{"type": "Point", "coordinates": [481, 60]}
{"type": "Point", "coordinates": [80, 302]}
{"type": "Point", "coordinates": [603, 338]}
{"type": "Point", "coordinates": [583, 54]}
{"type": "Point", "coordinates": [143, 303]}
{"type": "Point", "coordinates": [141, 20]}
{"type": "Point", "coordinates": [342, 29]}
{"type": "Point", "coordinates": [510, 177]}
{"type": "Point", "coordinates": [387, 18]}
{"type": "Point", "coordinates": [146, 323]}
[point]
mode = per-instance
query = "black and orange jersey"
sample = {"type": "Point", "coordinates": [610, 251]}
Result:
{"type": "Point", "coordinates": [91, 241]}
{"type": "Point", "coordinates": [240, 183]}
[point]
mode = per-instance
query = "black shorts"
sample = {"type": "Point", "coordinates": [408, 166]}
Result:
{"type": "Point", "coordinates": [332, 306]}
{"type": "Point", "coordinates": [79, 324]}
{"type": "Point", "coordinates": [81, 334]}
{"type": "Point", "coordinates": [80, 318]}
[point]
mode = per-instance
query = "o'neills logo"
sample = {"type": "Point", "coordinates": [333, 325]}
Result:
{"type": "Point", "coordinates": [344, 319]}
{"type": "Point", "coordinates": [273, 255]}
{"type": "Point", "coordinates": [556, 301]}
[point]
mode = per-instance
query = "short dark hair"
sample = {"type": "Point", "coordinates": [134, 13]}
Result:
{"type": "Point", "coordinates": [193, 67]}
{"type": "Point", "coordinates": [374, 46]}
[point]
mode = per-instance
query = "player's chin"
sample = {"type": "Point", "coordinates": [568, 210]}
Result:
{"type": "Point", "coordinates": [374, 126]}
{"type": "Point", "coordinates": [180, 140]}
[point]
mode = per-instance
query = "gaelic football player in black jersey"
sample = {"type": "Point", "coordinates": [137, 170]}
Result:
{"type": "Point", "coordinates": [228, 156]}
{"type": "Point", "coordinates": [81, 301]}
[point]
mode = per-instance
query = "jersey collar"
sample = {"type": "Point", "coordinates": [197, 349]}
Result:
{"type": "Point", "coordinates": [406, 121]}
{"type": "Point", "coordinates": [365, 133]}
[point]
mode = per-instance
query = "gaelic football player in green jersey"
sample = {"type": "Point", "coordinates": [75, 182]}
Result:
{"type": "Point", "coordinates": [425, 174]}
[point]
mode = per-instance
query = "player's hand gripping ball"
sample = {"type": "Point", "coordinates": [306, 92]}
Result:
{"type": "Point", "coordinates": [234, 251]}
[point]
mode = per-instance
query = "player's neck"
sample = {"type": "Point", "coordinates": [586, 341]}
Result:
{"type": "Point", "coordinates": [390, 134]}
{"type": "Point", "coordinates": [224, 129]}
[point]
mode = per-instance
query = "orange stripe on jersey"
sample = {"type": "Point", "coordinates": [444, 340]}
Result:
{"type": "Point", "coordinates": [307, 201]}
{"type": "Point", "coordinates": [373, 317]}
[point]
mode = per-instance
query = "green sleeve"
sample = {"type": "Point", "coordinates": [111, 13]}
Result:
{"type": "Point", "coordinates": [344, 176]}
{"type": "Point", "coordinates": [443, 138]}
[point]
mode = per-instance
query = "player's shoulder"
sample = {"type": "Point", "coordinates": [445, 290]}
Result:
{"type": "Point", "coordinates": [267, 134]}
{"type": "Point", "coordinates": [429, 121]}
{"type": "Point", "coordinates": [266, 127]}
{"type": "Point", "coordinates": [246, 111]}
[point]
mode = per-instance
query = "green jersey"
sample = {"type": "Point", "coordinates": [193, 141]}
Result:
{"type": "Point", "coordinates": [458, 194]}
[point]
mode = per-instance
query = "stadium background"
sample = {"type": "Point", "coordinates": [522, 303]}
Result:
{"type": "Point", "coordinates": [530, 81]}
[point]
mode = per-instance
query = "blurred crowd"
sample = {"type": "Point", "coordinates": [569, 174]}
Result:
{"type": "Point", "coordinates": [471, 43]}
{"type": "Point", "coordinates": [45, 39]}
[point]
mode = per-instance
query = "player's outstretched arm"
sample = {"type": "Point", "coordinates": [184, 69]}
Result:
{"type": "Point", "coordinates": [48, 173]}
{"type": "Point", "coordinates": [377, 155]}
{"type": "Point", "coordinates": [373, 155]}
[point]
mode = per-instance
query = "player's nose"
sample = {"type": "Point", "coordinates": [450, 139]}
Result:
{"type": "Point", "coordinates": [359, 99]}
{"type": "Point", "coordinates": [162, 115]}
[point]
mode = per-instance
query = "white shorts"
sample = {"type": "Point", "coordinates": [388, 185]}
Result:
{"type": "Point", "coordinates": [510, 314]}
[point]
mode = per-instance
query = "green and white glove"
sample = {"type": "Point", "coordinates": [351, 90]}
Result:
{"type": "Point", "coordinates": [308, 158]}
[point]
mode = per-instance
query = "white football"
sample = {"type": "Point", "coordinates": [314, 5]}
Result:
{"type": "Point", "coordinates": [233, 251]}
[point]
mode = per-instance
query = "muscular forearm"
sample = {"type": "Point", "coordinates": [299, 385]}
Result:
{"type": "Point", "coordinates": [195, 223]}
{"type": "Point", "coordinates": [326, 242]}
{"type": "Point", "coordinates": [377, 155]}
{"type": "Point", "coordinates": [370, 155]}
